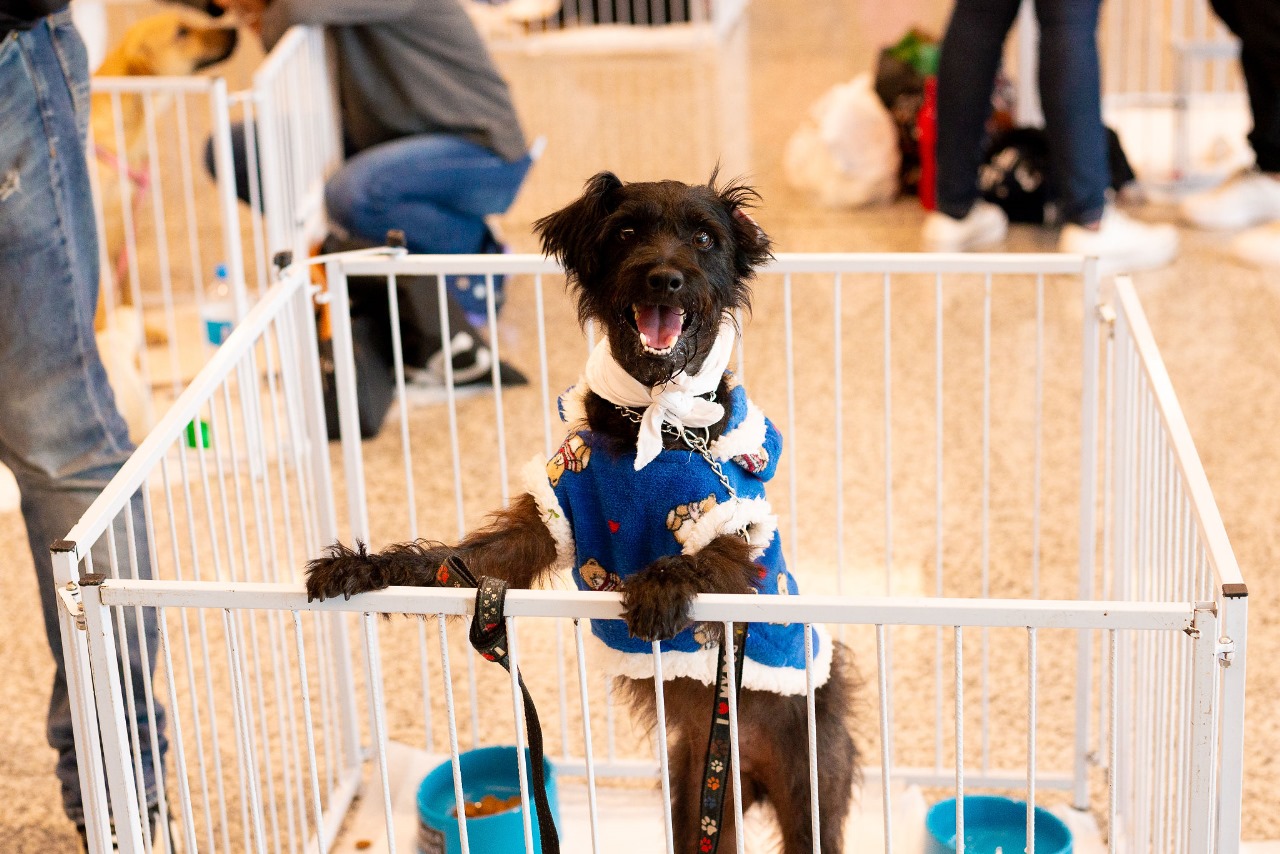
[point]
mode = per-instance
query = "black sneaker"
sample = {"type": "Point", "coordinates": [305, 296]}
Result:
{"type": "Point", "coordinates": [472, 372]}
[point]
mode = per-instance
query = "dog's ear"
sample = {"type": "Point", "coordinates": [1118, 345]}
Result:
{"type": "Point", "coordinates": [751, 245]}
{"type": "Point", "coordinates": [139, 59]}
{"type": "Point", "coordinates": [571, 234]}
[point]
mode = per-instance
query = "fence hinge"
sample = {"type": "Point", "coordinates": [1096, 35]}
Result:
{"type": "Point", "coordinates": [1226, 650]}
{"type": "Point", "coordinates": [1107, 317]}
{"type": "Point", "coordinates": [70, 596]}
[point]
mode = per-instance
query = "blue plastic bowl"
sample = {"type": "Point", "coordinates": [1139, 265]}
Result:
{"type": "Point", "coordinates": [485, 771]}
{"type": "Point", "coordinates": [993, 824]}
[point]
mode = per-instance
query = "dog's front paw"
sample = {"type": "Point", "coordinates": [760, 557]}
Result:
{"type": "Point", "coordinates": [343, 572]}
{"type": "Point", "coordinates": [656, 600]}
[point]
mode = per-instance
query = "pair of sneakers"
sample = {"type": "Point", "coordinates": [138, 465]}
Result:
{"type": "Point", "coordinates": [1121, 244]}
{"type": "Point", "coordinates": [1249, 203]}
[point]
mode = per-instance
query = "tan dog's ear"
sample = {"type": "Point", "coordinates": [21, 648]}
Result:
{"type": "Point", "coordinates": [139, 58]}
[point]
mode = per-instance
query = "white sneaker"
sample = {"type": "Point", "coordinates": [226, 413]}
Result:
{"type": "Point", "coordinates": [1250, 198]}
{"type": "Point", "coordinates": [984, 225]}
{"type": "Point", "coordinates": [1259, 246]}
{"type": "Point", "coordinates": [1122, 244]}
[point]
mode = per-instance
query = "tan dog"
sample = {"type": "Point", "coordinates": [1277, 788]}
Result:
{"type": "Point", "coordinates": [166, 44]}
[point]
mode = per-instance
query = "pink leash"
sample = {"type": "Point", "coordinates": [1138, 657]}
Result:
{"type": "Point", "coordinates": [140, 178]}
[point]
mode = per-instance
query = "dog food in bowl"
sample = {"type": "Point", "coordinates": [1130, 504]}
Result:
{"type": "Point", "coordinates": [488, 805]}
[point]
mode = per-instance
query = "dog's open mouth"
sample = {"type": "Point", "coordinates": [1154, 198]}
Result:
{"type": "Point", "coordinates": [659, 327]}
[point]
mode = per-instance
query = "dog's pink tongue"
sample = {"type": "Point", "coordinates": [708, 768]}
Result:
{"type": "Point", "coordinates": [659, 324]}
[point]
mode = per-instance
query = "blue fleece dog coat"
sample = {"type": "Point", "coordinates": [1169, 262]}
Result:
{"type": "Point", "coordinates": [610, 521]}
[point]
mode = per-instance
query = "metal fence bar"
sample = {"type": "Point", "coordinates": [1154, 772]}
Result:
{"type": "Point", "coordinates": [1234, 623]}
{"type": "Point", "coordinates": [1031, 740]}
{"type": "Point", "coordinates": [1203, 738]}
{"type": "Point", "coordinates": [459, 800]}
{"type": "Point", "coordinates": [661, 707]}
{"type": "Point", "coordinates": [811, 719]}
{"type": "Point", "coordinates": [309, 727]}
{"type": "Point", "coordinates": [731, 662]}
{"type": "Point", "coordinates": [517, 714]}
{"type": "Point", "coordinates": [959, 721]}
{"type": "Point", "coordinates": [985, 637]}
{"type": "Point", "coordinates": [586, 740]}
{"type": "Point", "coordinates": [1088, 523]}
{"type": "Point", "coordinates": [939, 480]}
{"type": "Point", "coordinates": [110, 714]}
{"type": "Point", "coordinates": [886, 735]}
{"type": "Point", "coordinates": [378, 720]}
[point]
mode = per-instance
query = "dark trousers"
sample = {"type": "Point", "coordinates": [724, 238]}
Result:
{"type": "Point", "coordinates": [1257, 23]}
{"type": "Point", "coordinates": [1070, 93]}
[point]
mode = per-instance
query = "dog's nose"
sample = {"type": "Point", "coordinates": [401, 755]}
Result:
{"type": "Point", "coordinates": [666, 280]}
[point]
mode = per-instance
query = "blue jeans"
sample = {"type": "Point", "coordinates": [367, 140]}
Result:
{"type": "Point", "coordinates": [1070, 93]}
{"type": "Point", "coordinates": [60, 431]}
{"type": "Point", "coordinates": [436, 188]}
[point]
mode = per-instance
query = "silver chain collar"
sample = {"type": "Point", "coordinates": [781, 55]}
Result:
{"type": "Point", "coordinates": [699, 444]}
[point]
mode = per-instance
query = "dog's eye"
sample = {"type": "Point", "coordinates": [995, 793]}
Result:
{"type": "Point", "coordinates": [702, 240]}
{"type": "Point", "coordinates": [626, 234]}
{"type": "Point", "coordinates": [183, 31]}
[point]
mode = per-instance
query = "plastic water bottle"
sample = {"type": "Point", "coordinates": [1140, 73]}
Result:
{"type": "Point", "coordinates": [218, 314]}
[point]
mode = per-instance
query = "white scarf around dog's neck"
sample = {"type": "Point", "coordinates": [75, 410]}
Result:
{"type": "Point", "coordinates": [675, 402]}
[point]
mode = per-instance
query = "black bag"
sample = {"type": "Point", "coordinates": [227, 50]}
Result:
{"type": "Point", "coordinates": [1016, 174]}
{"type": "Point", "coordinates": [375, 380]}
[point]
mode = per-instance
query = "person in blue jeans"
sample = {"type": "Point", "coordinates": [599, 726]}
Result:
{"type": "Point", "coordinates": [1070, 93]}
{"type": "Point", "coordinates": [432, 140]}
{"type": "Point", "coordinates": [60, 431]}
{"type": "Point", "coordinates": [1250, 199]}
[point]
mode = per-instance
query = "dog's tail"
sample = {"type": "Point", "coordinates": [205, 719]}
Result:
{"type": "Point", "coordinates": [343, 571]}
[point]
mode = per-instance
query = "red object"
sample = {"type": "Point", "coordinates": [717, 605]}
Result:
{"type": "Point", "coordinates": [613, 526]}
{"type": "Point", "coordinates": [927, 126]}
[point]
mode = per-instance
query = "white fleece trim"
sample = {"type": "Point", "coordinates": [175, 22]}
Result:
{"type": "Point", "coordinates": [535, 481]}
{"type": "Point", "coordinates": [701, 665]}
{"type": "Point", "coordinates": [574, 403]}
{"type": "Point", "coordinates": [755, 516]}
{"type": "Point", "coordinates": [746, 438]}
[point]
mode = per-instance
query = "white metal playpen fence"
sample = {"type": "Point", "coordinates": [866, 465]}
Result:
{"type": "Point", "coordinates": [166, 222]}
{"type": "Point", "coordinates": [1021, 550]}
{"type": "Point", "coordinates": [159, 214]}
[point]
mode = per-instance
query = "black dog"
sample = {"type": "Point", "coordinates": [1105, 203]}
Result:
{"type": "Point", "coordinates": [662, 267]}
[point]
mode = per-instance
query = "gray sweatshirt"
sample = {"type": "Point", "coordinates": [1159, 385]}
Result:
{"type": "Point", "coordinates": [408, 67]}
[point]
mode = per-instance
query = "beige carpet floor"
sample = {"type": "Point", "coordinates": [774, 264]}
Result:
{"type": "Point", "coordinates": [1215, 321]}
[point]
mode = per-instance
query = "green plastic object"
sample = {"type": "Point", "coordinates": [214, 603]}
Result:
{"type": "Point", "coordinates": [918, 50]}
{"type": "Point", "coordinates": [198, 439]}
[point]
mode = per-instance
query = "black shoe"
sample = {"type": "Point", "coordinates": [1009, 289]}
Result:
{"type": "Point", "coordinates": [472, 372]}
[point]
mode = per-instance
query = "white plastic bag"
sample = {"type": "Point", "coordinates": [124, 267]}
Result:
{"type": "Point", "coordinates": [846, 150]}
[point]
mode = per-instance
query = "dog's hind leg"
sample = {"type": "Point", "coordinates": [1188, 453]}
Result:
{"type": "Point", "coordinates": [685, 765]}
{"type": "Point", "coordinates": [786, 775]}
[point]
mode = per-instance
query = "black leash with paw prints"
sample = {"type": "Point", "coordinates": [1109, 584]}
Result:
{"type": "Point", "coordinates": [717, 767]}
{"type": "Point", "coordinates": [489, 637]}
